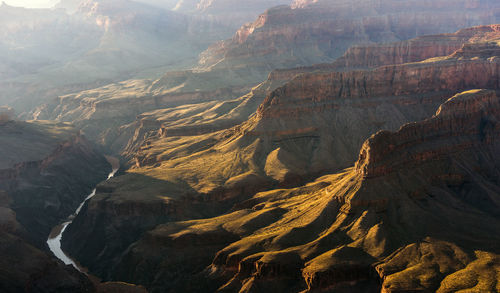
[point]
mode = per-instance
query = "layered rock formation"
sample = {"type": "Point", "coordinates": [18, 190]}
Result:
{"type": "Point", "coordinates": [418, 212]}
{"type": "Point", "coordinates": [312, 125]}
{"type": "Point", "coordinates": [324, 30]}
{"type": "Point", "coordinates": [101, 112]}
{"type": "Point", "coordinates": [280, 38]}
{"type": "Point", "coordinates": [413, 50]}
{"type": "Point", "coordinates": [198, 119]}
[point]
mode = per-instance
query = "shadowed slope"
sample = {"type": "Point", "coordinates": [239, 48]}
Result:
{"type": "Point", "coordinates": [280, 38]}
{"type": "Point", "coordinates": [313, 124]}
{"type": "Point", "coordinates": [419, 210]}
{"type": "Point", "coordinates": [46, 168]}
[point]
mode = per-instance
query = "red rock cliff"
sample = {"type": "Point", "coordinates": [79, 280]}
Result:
{"type": "Point", "coordinates": [465, 120]}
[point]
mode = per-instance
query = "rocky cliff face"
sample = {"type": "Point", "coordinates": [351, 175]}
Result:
{"type": "Point", "coordinates": [414, 50]}
{"type": "Point", "coordinates": [232, 68]}
{"type": "Point", "coordinates": [312, 125]}
{"type": "Point", "coordinates": [322, 31]}
{"type": "Point", "coordinates": [418, 212]}
{"type": "Point", "coordinates": [360, 57]}
{"type": "Point", "coordinates": [315, 122]}
{"type": "Point", "coordinates": [387, 152]}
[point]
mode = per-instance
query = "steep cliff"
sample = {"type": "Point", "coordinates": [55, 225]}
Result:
{"type": "Point", "coordinates": [280, 38]}
{"type": "Point", "coordinates": [418, 212]}
{"type": "Point", "coordinates": [209, 117]}
{"type": "Point", "coordinates": [322, 31]}
{"type": "Point", "coordinates": [314, 124]}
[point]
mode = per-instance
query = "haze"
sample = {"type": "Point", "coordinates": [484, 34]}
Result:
{"type": "Point", "coordinates": [249, 146]}
{"type": "Point", "coordinates": [31, 3]}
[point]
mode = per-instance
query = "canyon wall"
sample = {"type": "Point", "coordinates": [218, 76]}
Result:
{"type": "Point", "coordinates": [46, 170]}
{"type": "Point", "coordinates": [417, 212]}
{"type": "Point", "coordinates": [314, 124]}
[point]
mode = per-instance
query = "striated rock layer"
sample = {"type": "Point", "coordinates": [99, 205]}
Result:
{"type": "Point", "coordinates": [322, 31]}
{"type": "Point", "coordinates": [418, 212]}
{"type": "Point", "coordinates": [314, 124]}
{"type": "Point", "coordinates": [198, 119]}
{"type": "Point", "coordinates": [280, 38]}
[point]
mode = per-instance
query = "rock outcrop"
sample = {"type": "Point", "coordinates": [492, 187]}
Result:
{"type": "Point", "coordinates": [280, 38]}
{"type": "Point", "coordinates": [418, 212]}
{"type": "Point", "coordinates": [322, 31]}
{"type": "Point", "coordinates": [314, 124]}
{"type": "Point", "coordinates": [387, 152]}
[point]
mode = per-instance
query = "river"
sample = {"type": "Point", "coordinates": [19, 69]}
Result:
{"type": "Point", "coordinates": [54, 240]}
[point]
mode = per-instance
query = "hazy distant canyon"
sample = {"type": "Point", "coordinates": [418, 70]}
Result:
{"type": "Point", "coordinates": [287, 146]}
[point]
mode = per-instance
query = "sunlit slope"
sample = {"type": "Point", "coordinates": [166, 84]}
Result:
{"type": "Point", "coordinates": [229, 69]}
{"type": "Point", "coordinates": [192, 119]}
{"type": "Point", "coordinates": [419, 211]}
{"type": "Point", "coordinates": [313, 124]}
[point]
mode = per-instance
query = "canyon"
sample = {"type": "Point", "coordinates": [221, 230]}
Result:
{"type": "Point", "coordinates": [82, 45]}
{"type": "Point", "coordinates": [313, 124]}
{"type": "Point", "coordinates": [416, 212]}
{"type": "Point", "coordinates": [289, 138]}
{"type": "Point", "coordinates": [46, 168]}
{"type": "Point", "coordinates": [280, 38]}
{"type": "Point", "coordinates": [322, 146]}
{"type": "Point", "coordinates": [38, 188]}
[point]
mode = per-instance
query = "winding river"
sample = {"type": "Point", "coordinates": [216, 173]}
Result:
{"type": "Point", "coordinates": [54, 240]}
